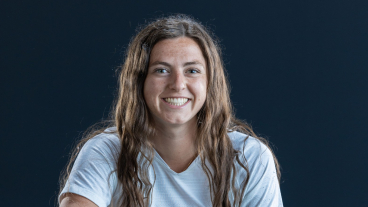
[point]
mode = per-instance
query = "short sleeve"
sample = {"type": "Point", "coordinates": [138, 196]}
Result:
{"type": "Point", "coordinates": [93, 174]}
{"type": "Point", "coordinates": [263, 188]}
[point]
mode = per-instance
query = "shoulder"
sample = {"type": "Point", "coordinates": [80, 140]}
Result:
{"type": "Point", "coordinates": [107, 137]}
{"type": "Point", "coordinates": [101, 149]}
{"type": "Point", "coordinates": [252, 148]}
{"type": "Point", "coordinates": [106, 144]}
{"type": "Point", "coordinates": [255, 155]}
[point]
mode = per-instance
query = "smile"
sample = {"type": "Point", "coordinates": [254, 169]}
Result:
{"type": "Point", "coordinates": [176, 101]}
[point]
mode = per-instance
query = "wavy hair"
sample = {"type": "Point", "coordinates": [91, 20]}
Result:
{"type": "Point", "coordinates": [216, 118]}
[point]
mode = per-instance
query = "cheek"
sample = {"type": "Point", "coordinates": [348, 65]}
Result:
{"type": "Point", "coordinates": [152, 89]}
{"type": "Point", "coordinates": [200, 89]}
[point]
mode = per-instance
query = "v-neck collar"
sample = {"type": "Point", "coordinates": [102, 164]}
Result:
{"type": "Point", "coordinates": [161, 161]}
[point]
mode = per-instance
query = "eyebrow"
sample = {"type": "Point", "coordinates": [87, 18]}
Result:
{"type": "Point", "coordinates": [168, 65]}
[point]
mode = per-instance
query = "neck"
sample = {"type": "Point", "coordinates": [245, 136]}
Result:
{"type": "Point", "coordinates": [176, 144]}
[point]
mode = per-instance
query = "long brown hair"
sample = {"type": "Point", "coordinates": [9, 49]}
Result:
{"type": "Point", "coordinates": [216, 118]}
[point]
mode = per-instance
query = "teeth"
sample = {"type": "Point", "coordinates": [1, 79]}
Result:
{"type": "Point", "coordinates": [176, 101]}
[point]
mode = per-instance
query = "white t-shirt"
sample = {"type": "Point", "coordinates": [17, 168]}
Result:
{"type": "Point", "coordinates": [93, 176]}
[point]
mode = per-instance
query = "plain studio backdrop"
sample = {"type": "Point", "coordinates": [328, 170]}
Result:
{"type": "Point", "coordinates": [297, 69]}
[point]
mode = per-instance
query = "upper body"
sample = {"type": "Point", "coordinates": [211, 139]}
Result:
{"type": "Point", "coordinates": [174, 101]}
{"type": "Point", "coordinates": [90, 177]}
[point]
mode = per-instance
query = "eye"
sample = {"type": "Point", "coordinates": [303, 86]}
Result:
{"type": "Point", "coordinates": [161, 70]}
{"type": "Point", "coordinates": [193, 71]}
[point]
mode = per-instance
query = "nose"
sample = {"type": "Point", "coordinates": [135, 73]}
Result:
{"type": "Point", "coordinates": [177, 82]}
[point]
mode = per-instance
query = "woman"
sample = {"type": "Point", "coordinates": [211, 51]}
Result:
{"type": "Point", "coordinates": [174, 140]}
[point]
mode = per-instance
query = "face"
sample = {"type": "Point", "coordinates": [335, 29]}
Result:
{"type": "Point", "coordinates": [176, 83]}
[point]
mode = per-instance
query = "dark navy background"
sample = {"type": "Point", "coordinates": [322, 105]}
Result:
{"type": "Point", "coordinates": [298, 72]}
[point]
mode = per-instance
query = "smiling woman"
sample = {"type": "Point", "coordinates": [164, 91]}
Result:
{"type": "Point", "coordinates": [176, 82]}
{"type": "Point", "coordinates": [173, 139]}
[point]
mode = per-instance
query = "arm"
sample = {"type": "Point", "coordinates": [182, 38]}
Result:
{"type": "Point", "coordinates": [74, 200]}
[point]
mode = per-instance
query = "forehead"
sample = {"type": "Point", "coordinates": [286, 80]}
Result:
{"type": "Point", "coordinates": [181, 48]}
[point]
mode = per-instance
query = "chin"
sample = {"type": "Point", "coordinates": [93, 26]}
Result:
{"type": "Point", "coordinates": [179, 121]}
